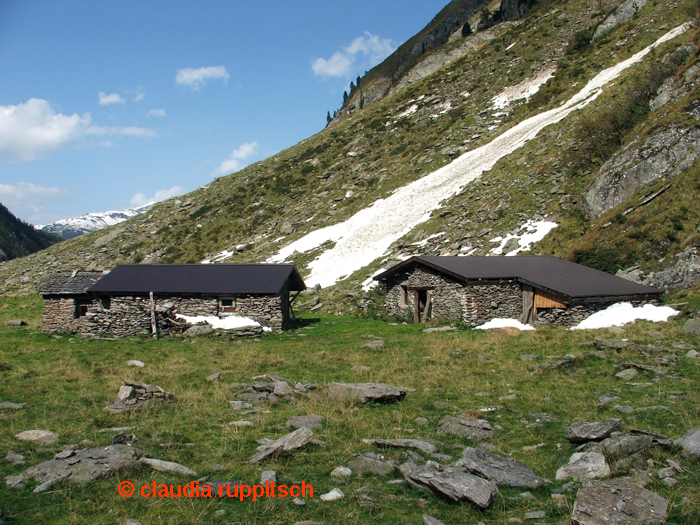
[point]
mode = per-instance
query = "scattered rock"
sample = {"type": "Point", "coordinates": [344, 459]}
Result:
{"type": "Point", "coordinates": [584, 432]}
{"type": "Point", "coordinates": [692, 326]}
{"type": "Point", "coordinates": [418, 444]}
{"type": "Point", "coordinates": [240, 405]}
{"type": "Point", "coordinates": [38, 437]}
{"type": "Point", "coordinates": [670, 482]}
{"type": "Point", "coordinates": [282, 388]}
{"type": "Point", "coordinates": [240, 423]}
{"type": "Point", "coordinates": [542, 417]}
{"type": "Point", "coordinates": [476, 429]}
{"type": "Point", "coordinates": [374, 345]}
{"type": "Point", "coordinates": [133, 396]}
{"type": "Point", "coordinates": [499, 469]}
{"type": "Point", "coordinates": [429, 520]}
{"type": "Point", "coordinates": [690, 443]}
{"type": "Point", "coordinates": [167, 466]}
{"type": "Point", "coordinates": [14, 482]}
{"type": "Point", "coordinates": [287, 443]}
{"type": "Point", "coordinates": [83, 466]}
{"type": "Point", "coordinates": [692, 354]}
{"type": "Point", "coordinates": [15, 322]}
{"type": "Point", "coordinates": [675, 466]}
{"type": "Point", "coordinates": [611, 344]}
{"type": "Point", "coordinates": [313, 421]}
{"type": "Point", "coordinates": [617, 502]}
{"type": "Point", "coordinates": [365, 392]}
{"type": "Point", "coordinates": [268, 476]}
{"type": "Point", "coordinates": [216, 376]}
{"type": "Point", "coordinates": [13, 406]}
{"type": "Point", "coordinates": [220, 512]}
{"type": "Point", "coordinates": [454, 484]}
{"type": "Point", "coordinates": [624, 409]}
{"type": "Point", "coordinates": [197, 330]}
{"type": "Point", "coordinates": [607, 399]}
{"type": "Point", "coordinates": [370, 463]}
{"type": "Point", "coordinates": [298, 501]}
{"type": "Point", "coordinates": [537, 515]}
{"type": "Point", "coordinates": [132, 522]}
{"type": "Point", "coordinates": [421, 421]}
{"type": "Point", "coordinates": [439, 329]}
{"type": "Point", "coordinates": [124, 439]}
{"type": "Point", "coordinates": [134, 362]}
{"type": "Point", "coordinates": [360, 368]}
{"type": "Point", "coordinates": [529, 357]}
{"type": "Point", "coordinates": [333, 495]}
{"type": "Point", "coordinates": [341, 472]}
{"type": "Point", "coordinates": [584, 465]}
{"type": "Point", "coordinates": [14, 458]}
{"type": "Point", "coordinates": [667, 472]}
{"type": "Point", "coordinates": [627, 375]}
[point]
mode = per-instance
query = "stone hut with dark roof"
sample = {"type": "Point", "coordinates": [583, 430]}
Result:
{"type": "Point", "coordinates": [532, 289]}
{"type": "Point", "coordinates": [140, 299]}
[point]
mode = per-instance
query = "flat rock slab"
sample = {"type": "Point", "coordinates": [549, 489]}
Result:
{"type": "Point", "coordinates": [133, 396]}
{"type": "Point", "coordinates": [585, 432]}
{"type": "Point", "coordinates": [288, 443]}
{"type": "Point", "coordinates": [429, 520]}
{"type": "Point", "coordinates": [86, 465]}
{"type": "Point", "coordinates": [617, 502]}
{"type": "Point", "coordinates": [313, 421]}
{"type": "Point", "coordinates": [39, 437]}
{"type": "Point", "coordinates": [612, 344]}
{"type": "Point", "coordinates": [499, 469]}
{"type": "Point", "coordinates": [167, 466]}
{"type": "Point", "coordinates": [614, 448]}
{"type": "Point", "coordinates": [477, 429]}
{"type": "Point", "coordinates": [583, 466]}
{"type": "Point", "coordinates": [454, 484]}
{"type": "Point", "coordinates": [423, 446]}
{"type": "Point", "coordinates": [370, 463]}
{"type": "Point", "coordinates": [439, 329]}
{"type": "Point", "coordinates": [374, 345]}
{"type": "Point", "coordinates": [690, 443]}
{"type": "Point", "coordinates": [366, 392]}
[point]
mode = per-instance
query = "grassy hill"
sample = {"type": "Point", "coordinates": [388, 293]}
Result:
{"type": "Point", "coordinates": [66, 382]}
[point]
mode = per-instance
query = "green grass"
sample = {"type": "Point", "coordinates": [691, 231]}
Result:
{"type": "Point", "coordinates": [67, 381]}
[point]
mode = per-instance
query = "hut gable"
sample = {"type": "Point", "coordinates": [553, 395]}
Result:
{"type": "Point", "coordinates": [69, 283]}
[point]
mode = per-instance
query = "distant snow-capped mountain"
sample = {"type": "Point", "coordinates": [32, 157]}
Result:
{"type": "Point", "coordinates": [90, 222]}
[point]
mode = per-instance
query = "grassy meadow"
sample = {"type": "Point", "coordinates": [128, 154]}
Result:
{"type": "Point", "coordinates": [67, 381]}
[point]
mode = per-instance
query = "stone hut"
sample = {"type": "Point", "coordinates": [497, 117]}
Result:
{"type": "Point", "coordinates": [136, 299]}
{"type": "Point", "coordinates": [532, 289]}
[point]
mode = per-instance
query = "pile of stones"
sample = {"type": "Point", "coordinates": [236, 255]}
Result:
{"type": "Point", "coordinates": [134, 395]}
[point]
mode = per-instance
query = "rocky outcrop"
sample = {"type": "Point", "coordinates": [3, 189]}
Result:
{"type": "Point", "coordinates": [499, 469]}
{"type": "Point", "coordinates": [684, 272]}
{"type": "Point", "coordinates": [665, 154]}
{"type": "Point", "coordinates": [513, 9]}
{"type": "Point", "coordinates": [622, 14]}
{"type": "Point", "coordinates": [366, 392]}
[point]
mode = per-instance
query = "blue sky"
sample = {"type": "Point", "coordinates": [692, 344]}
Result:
{"type": "Point", "coordinates": [106, 105]}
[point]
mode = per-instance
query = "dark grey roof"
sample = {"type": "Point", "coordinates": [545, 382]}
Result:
{"type": "Point", "coordinates": [542, 271]}
{"type": "Point", "coordinates": [69, 283]}
{"type": "Point", "coordinates": [214, 279]}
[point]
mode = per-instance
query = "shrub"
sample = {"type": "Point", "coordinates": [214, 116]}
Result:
{"type": "Point", "coordinates": [579, 42]}
{"type": "Point", "coordinates": [608, 260]}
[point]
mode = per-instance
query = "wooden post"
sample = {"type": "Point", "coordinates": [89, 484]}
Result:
{"type": "Point", "coordinates": [154, 324]}
{"type": "Point", "coordinates": [416, 307]}
{"type": "Point", "coordinates": [427, 306]}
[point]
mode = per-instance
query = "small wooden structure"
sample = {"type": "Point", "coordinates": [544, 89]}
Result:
{"type": "Point", "coordinates": [528, 288]}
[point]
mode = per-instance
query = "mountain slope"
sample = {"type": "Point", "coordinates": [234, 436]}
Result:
{"type": "Point", "coordinates": [370, 156]}
{"type": "Point", "coordinates": [90, 222]}
{"type": "Point", "coordinates": [17, 238]}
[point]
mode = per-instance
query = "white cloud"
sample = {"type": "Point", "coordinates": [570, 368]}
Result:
{"type": "Point", "coordinates": [112, 98]}
{"type": "Point", "coordinates": [33, 129]}
{"type": "Point", "coordinates": [140, 199]}
{"type": "Point", "coordinates": [27, 200]}
{"type": "Point", "coordinates": [156, 113]}
{"type": "Point", "coordinates": [139, 97]}
{"type": "Point", "coordinates": [236, 160]}
{"type": "Point", "coordinates": [197, 78]}
{"type": "Point", "coordinates": [372, 49]}
{"type": "Point", "coordinates": [106, 143]}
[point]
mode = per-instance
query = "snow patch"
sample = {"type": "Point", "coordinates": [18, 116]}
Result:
{"type": "Point", "coordinates": [623, 313]}
{"type": "Point", "coordinates": [410, 111]}
{"type": "Point", "coordinates": [425, 241]}
{"type": "Point", "coordinates": [504, 323]}
{"type": "Point", "coordinates": [524, 89]}
{"type": "Point", "coordinates": [225, 323]}
{"type": "Point", "coordinates": [369, 233]}
{"type": "Point", "coordinates": [370, 282]}
{"type": "Point", "coordinates": [530, 233]}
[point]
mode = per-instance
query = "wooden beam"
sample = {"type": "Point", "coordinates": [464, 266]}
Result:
{"type": "Point", "coordinates": [154, 324]}
{"type": "Point", "coordinates": [416, 307]}
{"type": "Point", "coordinates": [424, 318]}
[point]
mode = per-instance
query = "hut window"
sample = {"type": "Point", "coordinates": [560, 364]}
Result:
{"type": "Point", "coordinates": [106, 303]}
{"type": "Point", "coordinates": [403, 297]}
{"type": "Point", "coordinates": [227, 304]}
{"type": "Point", "coordinates": [81, 308]}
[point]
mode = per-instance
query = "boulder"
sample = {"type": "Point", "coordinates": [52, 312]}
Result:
{"type": "Point", "coordinates": [453, 484]}
{"type": "Point", "coordinates": [584, 432]}
{"type": "Point", "coordinates": [86, 465]}
{"type": "Point", "coordinates": [627, 375]}
{"type": "Point", "coordinates": [617, 447]}
{"type": "Point", "coordinates": [370, 463]}
{"type": "Point", "coordinates": [418, 444]}
{"type": "Point", "coordinates": [374, 345]}
{"type": "Point", "coordinates": [584, 465]}
{"type": "Point", "coordinates": [216, 376]}
{"type": "Point", "coordinates": [622, 13]}
{"type": "Point", "coordinates": [499, 469]}
{"type": "Point", "coordinates": [692, 326]}
{"type": "Point", "coordinates": [690, 443]}
{"type": "Point", "coordinates": [366, 392]}
{"type": "Point", "coordinates": [429, 520]}
{"type": "Point", "coordinates": [15, 322]}
{"type": "Point", "coordinates": [617, 502]}
{"type": "Point", "coordinates": [167, 466]}
{"type": "Point", "coordinates": [313, 421]}
{"type": "Point", "coordinates": [341, 472]}
{"type": "Point", "coordinates": [134, 362]}
{"type": "Point", "coordinates": [38, 437]}
{"type": "Point", "coordinates": [197, 330]}
{"type": "Point", "coordinates": [293, 441]}
{"type": "Point", "coordinates": [333, 495]}
{"type": "Point", "coordinates": [476, 429]}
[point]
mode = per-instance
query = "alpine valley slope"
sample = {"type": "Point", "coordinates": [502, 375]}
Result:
{"type": "Point", "coordinates": [449, 165]}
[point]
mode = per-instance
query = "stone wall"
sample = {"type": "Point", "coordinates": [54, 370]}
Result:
{"type": "Point", "coordinates": [498, 299]}
{"type": "Point", "coordinates": [573, 315]}
{"type": "Point", "coordinates": [131, 315]}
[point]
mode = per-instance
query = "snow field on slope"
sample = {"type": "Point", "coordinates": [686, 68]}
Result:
{"type": "Point", "coordinates": [369, 233]}
{"type": "Point", "coordinates": [530, 233]}
{"type": "Point", "coordinates": [623, 313]}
